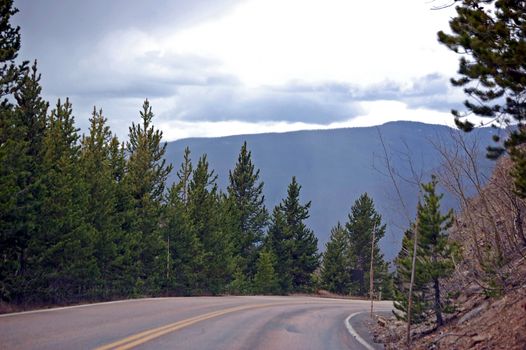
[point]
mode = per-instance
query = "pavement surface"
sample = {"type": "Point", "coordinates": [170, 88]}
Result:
{"type": "Point", "coordinates": [251, 322]}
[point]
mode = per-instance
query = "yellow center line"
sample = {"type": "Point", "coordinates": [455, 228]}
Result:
{"type": "Point", "coordinates": [143, 337]}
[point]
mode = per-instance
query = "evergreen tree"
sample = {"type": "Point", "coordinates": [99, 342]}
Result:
{"type": "Point", "coordinates": [491, 35]}
{"type": "Point", "coordinates": [146, 176]}
{"type": "Point", "coordinates": [246, 204]}
{"type": "Point", "coordinates": [122, 281]}
{"type": "Point", "coordinates": [21, 175]}
{"type": "Point", "coordinates": [97, 160]}
{"type": "Point", "coordinates": [204, 217]}
{"type": "Point", "coordinates": [265, 279]}
{"type": "Point", "coordinates": [63, 249]}
{"type": "Point", "coordinates": [434, 260]}
{"type": "Point", "coordinates": [335, 272]}
{"type": "Point", "coordinates": [186, 250]}
{"type": "Point", "coordinates": [305, 256]}
{"type": "Point", "coordinates": [294, 244]}
{"type": "Point", "coordinates": [18, 156]}
{"type": "Point", "coordinates": [279, 240]}
{"type": "Point", "coordinates": [363, 219]}
{"type": "Point", "coordinates": [432, 229]}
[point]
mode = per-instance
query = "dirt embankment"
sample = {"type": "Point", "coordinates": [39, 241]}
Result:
{"type": "Point", "coordinates": [481, 322]}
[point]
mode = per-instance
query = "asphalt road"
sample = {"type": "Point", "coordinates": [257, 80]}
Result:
{"type": "Point", "coordinates": [256, 322]}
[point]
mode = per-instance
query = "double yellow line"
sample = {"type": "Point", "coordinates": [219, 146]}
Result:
{"type": "Point", "coordinates": [143, 337]}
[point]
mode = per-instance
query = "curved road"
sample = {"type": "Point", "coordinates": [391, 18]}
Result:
{"type": "Point", "coordinates": [255, 322]}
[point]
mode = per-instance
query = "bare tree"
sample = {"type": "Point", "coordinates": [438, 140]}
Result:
{"type": "Point", "coordinates": [392, 175]}
{"type": "Point", "coordinates": [490, 226]}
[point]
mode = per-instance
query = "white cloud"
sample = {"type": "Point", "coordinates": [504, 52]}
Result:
{"type": "Point", "coordinates": [271, 42]}
{"type": "Point", "coordinates": [263, 66]}
{"type": "Point", "coordinates": [274, 42]}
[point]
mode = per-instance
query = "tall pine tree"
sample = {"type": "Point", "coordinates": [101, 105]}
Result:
{"type": "Point", "coordinates": [490, 36]}
{"type": "Point", "coordinates": [433, 235]}
{"type": "Point", "coordinates": [21, 133]}
{"type": "Point", "coordinates": [63, 249]}
{"type": "Point", "coordinates": [204, 214]}
{"type": "Point", "coordinates": [294, 244]}
{"type": "Point", "coordinates": [363, 219]}
{"type": "Point", "coordinates": [434, 259]}
{"type": "Point", "coordinates": [185, 262]}
{"type": "Point", "coordinates": [102, 213]}
{"type": "Point", "coordinates": [248, 212]}
{"type": "Point", "coordinates": [146, 176]}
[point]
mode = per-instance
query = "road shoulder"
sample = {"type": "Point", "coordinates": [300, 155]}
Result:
{"type": "Point", "coordinates": [359, 324]}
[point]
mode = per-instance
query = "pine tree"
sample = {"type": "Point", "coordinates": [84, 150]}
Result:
{"type": "Point", "coordinates": [101, 212]}
{"type": "Point", "coordinates": [246, 204]}
{"type": "Point", "coordinates": [279, 240]}
{"type": "Point", "coordinates": [305, 256]}
{"type": "Point", "coordinates": [186, 250]}
{"type": "Point", "coordinates": [146, 176]}
{"type": "Point", "coordinates": [432, 227]}
{"type": "Point", "coordinates": [491, 36]}
{"type": "Point", "coordinates": [63, 248]}
{"type": "Point", "coordinates": [335, 272]}
{"type": "Point", "coordinates": [294, 244]}
{"type": "Point", "coordinates": [122, 280]}
{"type": "Point", "coordinates": [265, 279]}
{"type": "Point", "coordinates": [363, 219]}
{"type": "Point", "coordinates": [20, 138]}
{"type": "Point", "coordinates": [22, 165]}
{"type": "Point", "coordinates": [205, 219]}
{"type": "Point", "coordinates": [434, 259]}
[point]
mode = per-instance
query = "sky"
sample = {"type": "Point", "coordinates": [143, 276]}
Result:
{"type": "Point", "coordinates": [226, 67]}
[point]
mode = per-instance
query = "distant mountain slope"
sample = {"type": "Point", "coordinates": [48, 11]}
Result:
{"type": "Point", "coordinates": [334, 167]}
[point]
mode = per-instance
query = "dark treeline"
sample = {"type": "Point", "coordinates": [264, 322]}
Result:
{"type": "Point", "coordinates": [88, 217]}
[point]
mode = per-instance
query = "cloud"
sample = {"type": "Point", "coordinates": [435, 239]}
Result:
{"type": "Point", "coordinates": [242, 65]}
{"type": "Point", "coordinates": [259, 104]}
{"type": "Point", "coordinates": [96, 47]}
{"type": "Point", "coordinates": [270, 42]}
{"type": "Point", "coordinates": [432, 91]}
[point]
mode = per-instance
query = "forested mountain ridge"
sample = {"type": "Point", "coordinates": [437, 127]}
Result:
{"type": "Point", "coordinates": [336, 166]}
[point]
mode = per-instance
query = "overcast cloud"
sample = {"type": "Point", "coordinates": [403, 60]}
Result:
{"type": "Point", "coordinates": [213, 68]}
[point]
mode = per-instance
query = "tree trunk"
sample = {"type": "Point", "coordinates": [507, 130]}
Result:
{"type": "Point", "coordinates": [438, 306]}
{"type": "Point", "coordinates": [518, 225]}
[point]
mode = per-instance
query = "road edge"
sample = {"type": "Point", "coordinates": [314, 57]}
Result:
{"type": "Point", "coordinates": [355, 334]}
{"type": "Point", "coordinates": [78, 306]}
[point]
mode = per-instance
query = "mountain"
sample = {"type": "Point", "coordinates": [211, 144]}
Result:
{"type": "Point", "coordinates": [335, 166]}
